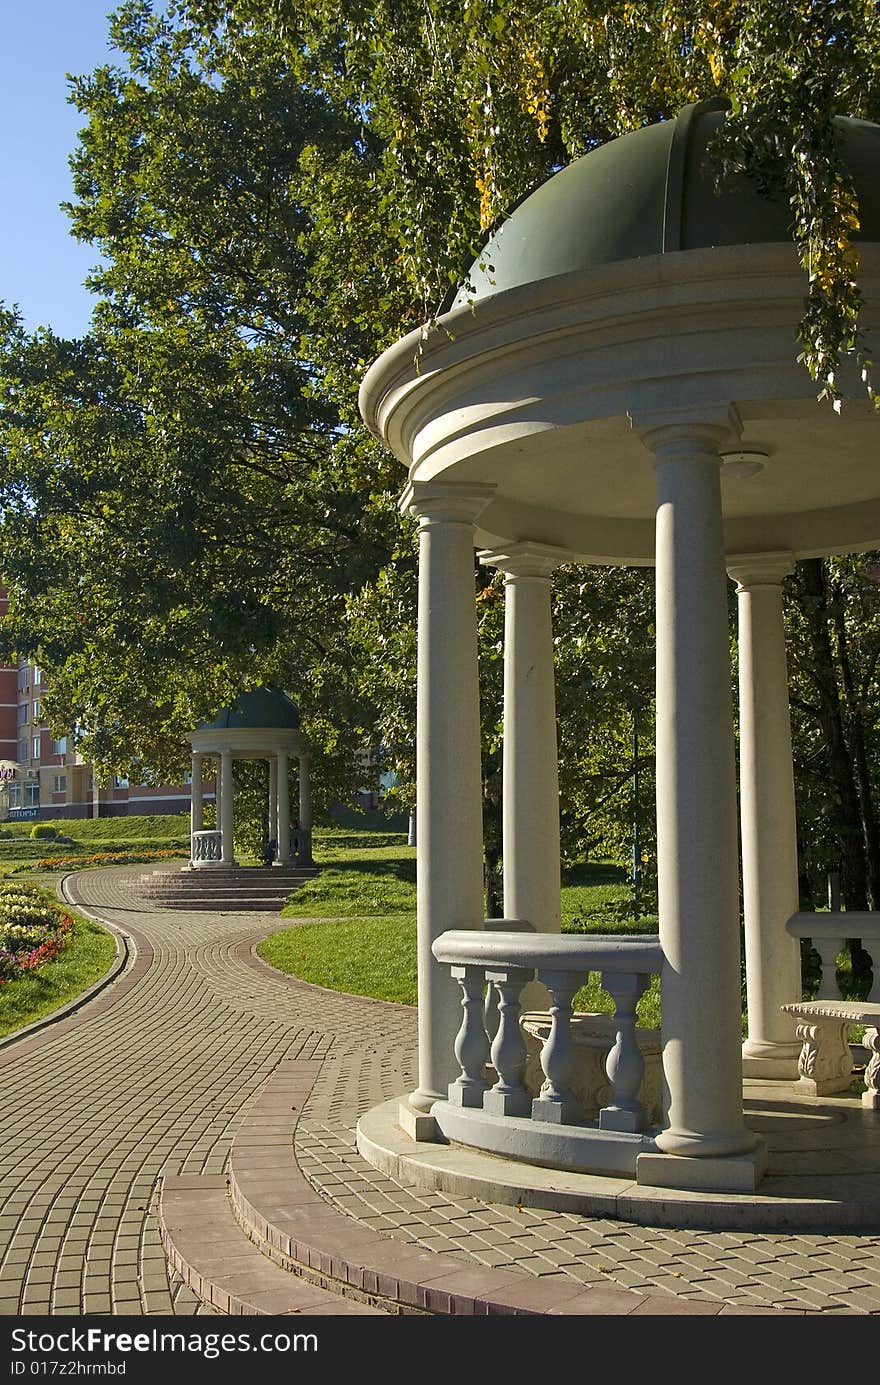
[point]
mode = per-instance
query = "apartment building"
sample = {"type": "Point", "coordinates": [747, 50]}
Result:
{"type": "Point", "coordinates": [44, 777]}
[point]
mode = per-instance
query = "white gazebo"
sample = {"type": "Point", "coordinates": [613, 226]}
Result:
{"type": "Point", "coordinates": [619, 385]}
{"type": "Point", "coordinates": [261, 725]}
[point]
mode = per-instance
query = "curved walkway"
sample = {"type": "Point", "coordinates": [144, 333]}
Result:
{"type": "Point", "coordinates": [153, 1076]}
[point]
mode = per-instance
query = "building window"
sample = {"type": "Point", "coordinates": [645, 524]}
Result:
{"type": "Point", "coordinates": [59, 747]}
{"type": "Point", "coordinates": [38, 677]}
{"type": "Point", "coordinates": [31, 795]}
{"type": "Point", "coordinates": [35, 747]}
{"type": "Point", "coordinates": [36, 709]}
{"type": "Point", "coordinates": [22, 713]}
{"type": "Point", "coordinates": [14, 794]}
{"type": "Point", "coordinates": [22, 750]}
{"type": "Point", "coordinates": [120, 781]}
{"type": "Point", "coordinates": [24, 681]}
{"type": "Point", "coordinates": [59, 784]}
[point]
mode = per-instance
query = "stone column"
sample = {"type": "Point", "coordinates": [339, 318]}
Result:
{"type": "Point", "coordinates": [696, 821]}
{"type": "Point", "coordinates": [273, 799]}
{"type": "Point", "coordinates": [224, 817]}
{"type": "Point", "coordinates": [197, 808]}
{"type": "Point", "coordinates": [283, 823]}
{"type": "Point", "coordinates": [305, 792]}
{"type": "Point", "coordinates": [449, 868]}
{"type": "Point", "coordinates": [530, 755]}
{"type": "Point", "coordinates": [768, 826]}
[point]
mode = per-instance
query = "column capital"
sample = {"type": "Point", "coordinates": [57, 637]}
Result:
{"type": "Point", "coordinates": [445, 501]}
{"type": "Point", "coordinates": [671, 433]}
{"type": "Point", "coordinates": [759, 569]}
{"type": "Point", "coordinates": [525, 559]}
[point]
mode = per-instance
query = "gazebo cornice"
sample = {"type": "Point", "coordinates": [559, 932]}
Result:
{"type": "Point", "coordinates": [542, 391]}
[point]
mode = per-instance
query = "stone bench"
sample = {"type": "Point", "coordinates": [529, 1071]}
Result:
{"type": "Point", "coordinates": [825, 1062]}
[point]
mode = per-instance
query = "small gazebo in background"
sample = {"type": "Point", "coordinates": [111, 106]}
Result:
{"type": "Point", "coordinates": [261, 725]}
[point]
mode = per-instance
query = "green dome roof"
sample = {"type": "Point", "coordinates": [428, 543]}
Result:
{"type": "Point", "coordinates": [255, 711]}
{"type": "Point", "coordinates": [650, 192]}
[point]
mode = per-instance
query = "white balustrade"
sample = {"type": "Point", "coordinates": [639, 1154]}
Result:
{"type": "Point", "coordinates": [827, 932]}
{"type": "Point", "coordinates": [503, 1117]}
{"type": "Point", "coordinates": [206, 848]}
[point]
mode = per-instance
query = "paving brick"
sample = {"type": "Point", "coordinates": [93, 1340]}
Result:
{"type": "Point", "coordinates": [156, 1076]}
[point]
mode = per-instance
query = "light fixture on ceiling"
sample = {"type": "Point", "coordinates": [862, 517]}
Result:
{"type": "Point", "coordinates": [742, 464]}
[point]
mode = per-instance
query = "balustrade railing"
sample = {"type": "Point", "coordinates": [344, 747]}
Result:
{"type": "Point", "coordinates": [826, 932]}
{"type": "Point", "coordinates": [206, 848]}
{"type": "Point", "coordinates": [504, 959]}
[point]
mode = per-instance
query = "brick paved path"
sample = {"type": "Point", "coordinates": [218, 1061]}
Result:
{"type": "Point", "coordinates": [153, 1076]}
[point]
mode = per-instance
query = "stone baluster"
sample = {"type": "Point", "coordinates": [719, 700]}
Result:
{"type": "Point", "coordinates": [625, 1065]}
{"type": "Point", "coordinates": [508, 1097]}
{"type": "Point", "coordinates": [828, 948]}
{"type": "Point", "coordinates": [871, 1097]}
{"type": "Point", "coordinates": [556, 1101]}
{"type": "Point", "coordinates": [490, 1011]}
{"type": "Point", "coordinates": [471, 1042]}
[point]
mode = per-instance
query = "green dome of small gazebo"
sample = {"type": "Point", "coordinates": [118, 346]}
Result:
{"type": "Point", "coordinates": [649, 192]}
{"type": "Point", "coordinates": [264, 707]}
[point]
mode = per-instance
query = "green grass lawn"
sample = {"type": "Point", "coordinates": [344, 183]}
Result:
{"type": "Point", "coordinates": [84, 961]}
{"type": "Point", "coordinates": [155, 827]}
{"type": "Point", "coordinates": [83, 837]}
{"type": "Point", "coordinates": [365, 939]}
{"type": "Point", "coordinates": [92, 950]}
{"type": "Point", "coordinates": [374, 957]}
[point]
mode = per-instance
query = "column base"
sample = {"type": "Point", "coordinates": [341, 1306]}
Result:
{"type": "Point", "coordinates": [737, 1173]}
{"type": "Point", "coordinates": [717, 1144]}
{"type": "Point", "coordinates": [418, 1125]}
{"type": "Point", "coordinates": [771, 1062]}
{"type": "Point", "coordinates": [422, 1099]}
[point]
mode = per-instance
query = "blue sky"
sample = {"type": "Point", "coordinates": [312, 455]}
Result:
{"type": "Point", "coordinates": [42, 267]}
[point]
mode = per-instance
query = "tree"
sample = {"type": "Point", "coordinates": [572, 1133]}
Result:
{"type": "Point", "coordinates": [183, 513]}
{"type": "Point", "coordinates": [278, 191]}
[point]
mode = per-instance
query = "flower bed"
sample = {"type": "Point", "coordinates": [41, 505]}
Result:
{"type": "Point", "coordinates": [98, 858]}
{"type": "Point", "coordinates": [33, 930]}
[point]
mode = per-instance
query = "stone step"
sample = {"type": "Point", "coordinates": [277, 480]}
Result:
{"type": "Point", "coordinates": [209, 1250]}
{"type": "Point", "coordinates": [264, 889]}
{"type": "Point", "coordinates": [250, 875]}
{"type": "Point", "coordinates": [235, 904]}
{"type": "Point", "coordinates": [224, 887]}
{"type": "Point", "coordinates": [295, 1225]}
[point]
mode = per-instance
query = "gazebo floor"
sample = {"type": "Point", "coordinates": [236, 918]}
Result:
{"type": "Point", "coordinates": [823, 1171]}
